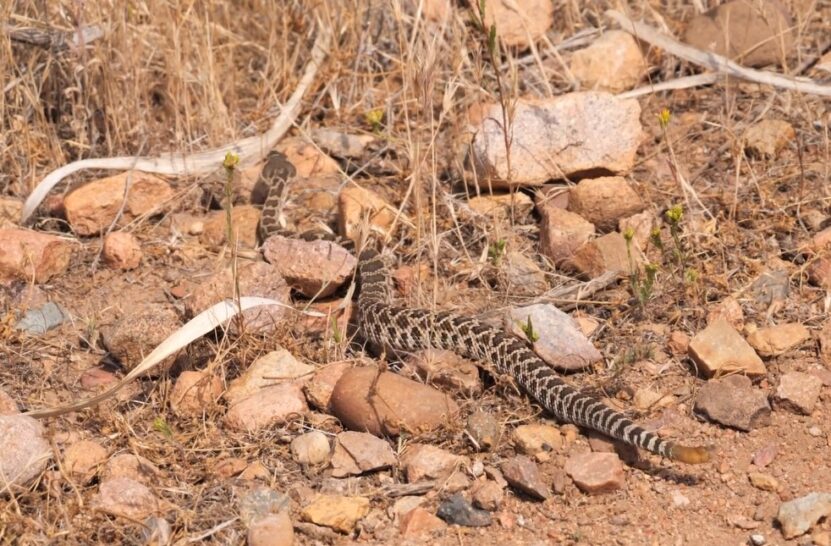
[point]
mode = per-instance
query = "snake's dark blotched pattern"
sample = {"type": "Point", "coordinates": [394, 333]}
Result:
{"type": "Point", "coordinates": [413, 329]}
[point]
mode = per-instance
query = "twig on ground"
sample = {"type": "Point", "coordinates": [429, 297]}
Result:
{"type": "Point", "coordinates": [248, 149]}
{"type": "Point", "coordinates": [713, 61]}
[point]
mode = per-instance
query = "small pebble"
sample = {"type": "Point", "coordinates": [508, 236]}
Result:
{"type": "Point", "coordinates": [758, 540]}
{"type": "Point", "coordinates": [459, 511]}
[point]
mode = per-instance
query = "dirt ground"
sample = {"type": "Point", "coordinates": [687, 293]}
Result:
{"type": "Point", "coordinates": [189, 76]}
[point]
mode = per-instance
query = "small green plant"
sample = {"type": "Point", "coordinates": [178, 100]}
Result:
{"type": "Point", "coordinates": [642, 282]}
{"type": "Point", "coordinates": [528, 330]}
{"type": "Point", "coordinates": [496, 251]}
{"type": "Point", "coordinates": [374, 118]}
{"type": "Point", "coordinates": [491, 40]}
{"type": "Point", "coordinates": [337, 335]}
{"type": "Point", "coordinates": [161, 426]}
{"type": "Point", "coordinates": [674, 216]}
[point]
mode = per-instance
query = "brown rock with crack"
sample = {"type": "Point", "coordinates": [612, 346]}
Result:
{"type": "Point", "coordinates": [426, 462]}
{"type": "Point", "coordinates": [266, 407]}
{"type": "Point", "coordinates": [767, 137]}
{"type": "Point", "coordinates": [357, 205]}
{"type": "Point", "coordinates": [385, 403]}
{"type": "Point", "coordinates": [734, 402]}
{"type": "Point", "coordinates": [93, 207]}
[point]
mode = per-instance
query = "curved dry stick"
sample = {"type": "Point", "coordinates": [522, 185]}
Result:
{"type": "Point", "coordinates": [197, 327]}
{"type": "Point", "coordinates": [251, 148]}
{"type": "Point", "coordinates": [714, 61]}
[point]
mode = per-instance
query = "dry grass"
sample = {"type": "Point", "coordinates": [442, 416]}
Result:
{"type": "Point", "coordinates": [193, 75]}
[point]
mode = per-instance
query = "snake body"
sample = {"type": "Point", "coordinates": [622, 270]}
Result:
{"type": "Point", "coordinates": [409, 329]}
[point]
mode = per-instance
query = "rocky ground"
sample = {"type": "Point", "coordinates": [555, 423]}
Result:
{"type": "Point", "coordinates": [669, 251]}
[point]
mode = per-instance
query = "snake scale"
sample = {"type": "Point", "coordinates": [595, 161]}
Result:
{"type": "Point", "coordinates": [406, 329]}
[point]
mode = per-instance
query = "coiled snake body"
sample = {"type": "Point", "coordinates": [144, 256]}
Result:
{"type": "Point", "coordinates": [413, 329]}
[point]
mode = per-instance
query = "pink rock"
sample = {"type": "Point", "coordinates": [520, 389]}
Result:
{"type": "Point", "coordinates": [519, 22]}
{"type": "Point", "coordinates": [721, 349]}
{"type": "Point", "coordinates": [596, 472]}
{"type": "Point", "coordinates": [562, 232]}
{"type": "Point", "coordinates": [266, 407]}
{"type": "Point", "coordinates": [126, 498]}
{"type": "Point", "coordinates": [27, 255]}
{"type": "Point", "coordinates": [606, 253]}
{"type": "Point", "coordinates": [419, 521]}
{"type": "Point", "coordinates": [122, 250]}
{"type": "Point", "coordinates": [82, 459]}
{"type": "Point", "coordinates": [359, 452]}
{"type": "Point", "coordinates": [244, 218]}
{"type": "Point", "coordinates": [319, 388]}
{"type": "Point", "coordinates": [798, 392]}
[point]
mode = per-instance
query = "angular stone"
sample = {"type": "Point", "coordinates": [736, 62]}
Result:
{"type": "Point", "coordinates": [266, 407]}
{"type": "Point", "coordinates": [562, 233]}
{"type": "Point", "coordinates": [386, 403]}
{"type": "Point", "coordinates": [730, 310]}
{"type": "Point", "coordinates": [319, 388]}
{"type": "Point", "coordinates": [719, 349]}
{"type": "Point", "coordinates": [742, 31]}
{"type": "Point", "coordinates": [29, 255]}
{"type": "Point", "coordinates": [557, 138]}
{"type": "Point", "coordinates": [522, 275]}
{"type": "Point", "coordinates": [763, 481]}
{"type": "Point", "coordinates": [457, 510]}
{"type": "Point", "coordinates": [505, 206]}
{"type": "Point", "coordinates": [797, 516]}
{"type": "Point", "coordinates": [483, 429]}
{"type": "Point", "coordinates": [596, 472]}
{"type": "Point", "coordinates": [604, 201]}
{"type": "Point", "coordinates": [487, 495]}
{"type": "Point", "coordinates": [360, 452]}
{"type": "Point", "coordinates": [614, 62]}
{"type": "Point", "coordinates": [269, 369]}
{"type": "Point", "coordinates": [426, 462]}
{"type": "Point", "coordinates": [798, 392]}
{"type": "Point", "coordinates": [314, 268]}
{"type": "Point", "coordinates": [606, 253]}
{"type": "Point", "coordinates": [92, 208]}
{"type": "Point", "coordinates": [734, 402]}
{"type": "Point", "coordinates": [127, 465]}
{"type": "Point", "coordinates": [522, 474]}
{"type": "Point", "coordinates": [306, 158]}
{"type": "Point", "coordinates": [122, 250]}
{"type": "Point", "coordinates": [560, 343]}
{"type": "Point", "coordinates": [419, 521]}
{"type": "Point", "coordinates": [779, 339]}
{"type": "Point", "coordinates": [341, 513]}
